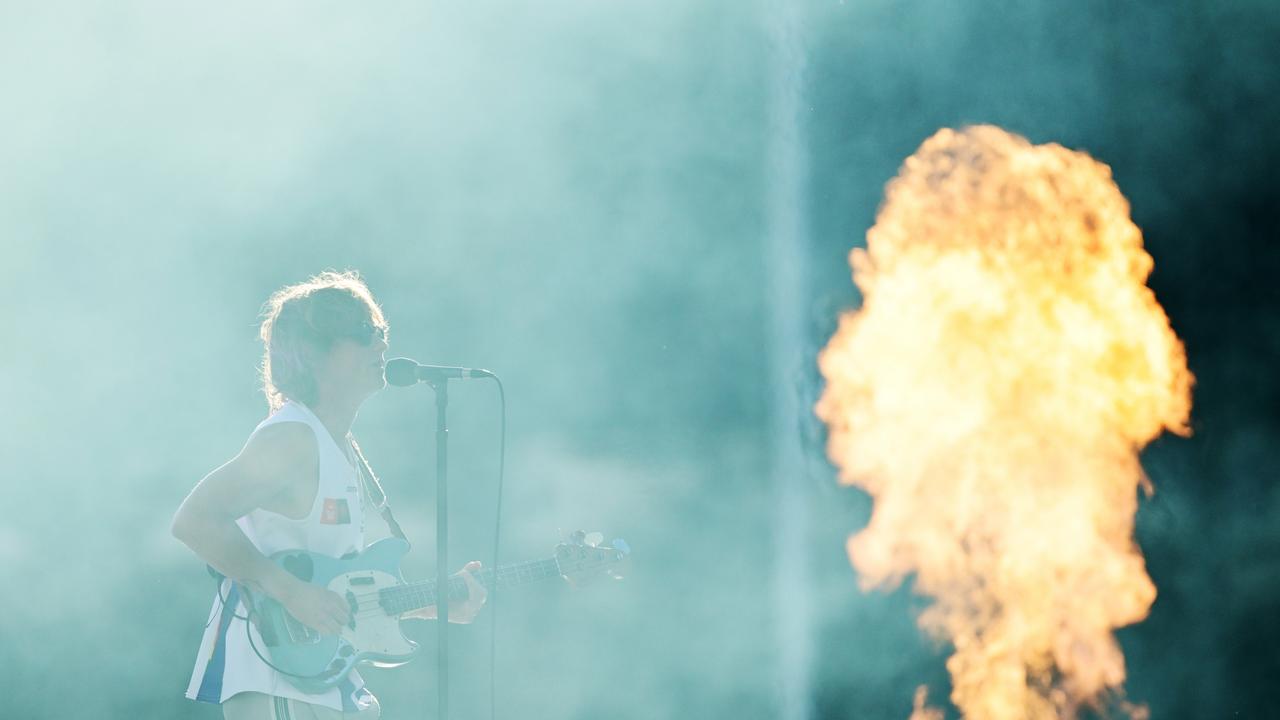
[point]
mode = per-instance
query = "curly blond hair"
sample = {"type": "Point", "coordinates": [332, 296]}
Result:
{"type": "Point", "coordinates": [301, 322]}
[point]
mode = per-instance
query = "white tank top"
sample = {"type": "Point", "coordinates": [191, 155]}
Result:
{"type": "Point", "coordinates": [227, 664]}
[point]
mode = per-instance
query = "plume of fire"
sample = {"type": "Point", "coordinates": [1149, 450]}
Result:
{"type": "Point", "coordinates": [991, 395]}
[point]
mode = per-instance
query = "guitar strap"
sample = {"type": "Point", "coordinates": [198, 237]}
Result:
{"type": "Point", "coordinates": [371, 484]}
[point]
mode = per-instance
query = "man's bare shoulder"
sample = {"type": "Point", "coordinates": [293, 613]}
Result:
{"type": "Point", "coordinates": [273, 471]}
{"type": "Point", "coordinates": [282, 448]}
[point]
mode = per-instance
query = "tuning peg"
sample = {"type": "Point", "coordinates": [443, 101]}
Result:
{"type": "Point", "coordinates": [594, 539]}
{"type": "Point", "coordinates": [621, 546]}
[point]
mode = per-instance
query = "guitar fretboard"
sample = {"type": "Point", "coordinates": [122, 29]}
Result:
{"type": "Point", "coordinates": [413, 596]}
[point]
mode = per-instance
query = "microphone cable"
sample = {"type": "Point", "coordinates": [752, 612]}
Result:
{"type": "Point", "coordinates": [497, 527]}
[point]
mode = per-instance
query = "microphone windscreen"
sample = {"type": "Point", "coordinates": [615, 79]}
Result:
{"type": "Point", "coordinates": [402, 372]}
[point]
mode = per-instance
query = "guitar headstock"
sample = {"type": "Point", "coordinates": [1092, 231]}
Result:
{"type": "Point", "coordinates": [584, 557]}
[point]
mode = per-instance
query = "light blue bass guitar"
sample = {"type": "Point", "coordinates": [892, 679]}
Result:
{"type": "Point", "coordinates": [378, 595]}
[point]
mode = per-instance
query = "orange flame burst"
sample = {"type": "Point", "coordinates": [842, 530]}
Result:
{"type": "Point", "coordinates": [992, 394]}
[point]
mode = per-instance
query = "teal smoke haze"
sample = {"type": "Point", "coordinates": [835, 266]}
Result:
{"type": "Point", "coordinates": [574, 194]}
{"type": "Point", "coordinates": [566, 193]}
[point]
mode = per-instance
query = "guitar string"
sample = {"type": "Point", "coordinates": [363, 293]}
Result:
{"type": "Point", "coordinates": [544, 570]}
{"type": "Point", "coordinates": [532, 570]}
{"type": "Point", "coordinates": [427, 595]}
{"type": "Point", "coordinates": [404, 592]}
{"type": "Point", "coordinates": [408, 591]}
{"type": "Point", "coordinates": [419, 597]}
{"type": "Point", "coordinates": [424, 596]}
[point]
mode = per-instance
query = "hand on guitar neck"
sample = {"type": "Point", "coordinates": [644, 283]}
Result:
{"type": "Point", "coordinates": [460, 611]}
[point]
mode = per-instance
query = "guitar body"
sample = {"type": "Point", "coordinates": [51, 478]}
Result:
{"type": "Point", "coordinates": [314, 662]}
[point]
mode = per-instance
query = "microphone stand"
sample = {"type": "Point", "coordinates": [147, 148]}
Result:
{"type": "Point", "coordinates": [441, 387]}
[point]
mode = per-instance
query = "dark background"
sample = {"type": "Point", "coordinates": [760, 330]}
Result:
{"type": "Point", "coordinates": [579, 195]}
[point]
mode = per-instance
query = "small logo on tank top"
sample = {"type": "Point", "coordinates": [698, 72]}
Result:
{"type": "Point", "coordinates": [335, 512]}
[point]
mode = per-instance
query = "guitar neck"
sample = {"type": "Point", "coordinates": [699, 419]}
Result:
{"type": "Point", "coordinates": [417, 595]}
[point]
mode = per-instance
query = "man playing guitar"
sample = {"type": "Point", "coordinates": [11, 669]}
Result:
{"type": "Point", "coordinates": [297, 484]}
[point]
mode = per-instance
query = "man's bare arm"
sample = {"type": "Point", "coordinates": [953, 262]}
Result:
{"type": "Point", "coordinates": [276, 462]}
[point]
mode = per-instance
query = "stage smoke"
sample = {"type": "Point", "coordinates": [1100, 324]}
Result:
{"type": "Point", "coordinates": [992, 394]}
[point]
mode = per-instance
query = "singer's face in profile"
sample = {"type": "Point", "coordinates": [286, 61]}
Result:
{"type": "Point", "coordinates": [355, 363]}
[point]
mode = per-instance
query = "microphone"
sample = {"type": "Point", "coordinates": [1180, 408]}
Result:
{"type": "Point", "coordinates": [404, 372]}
